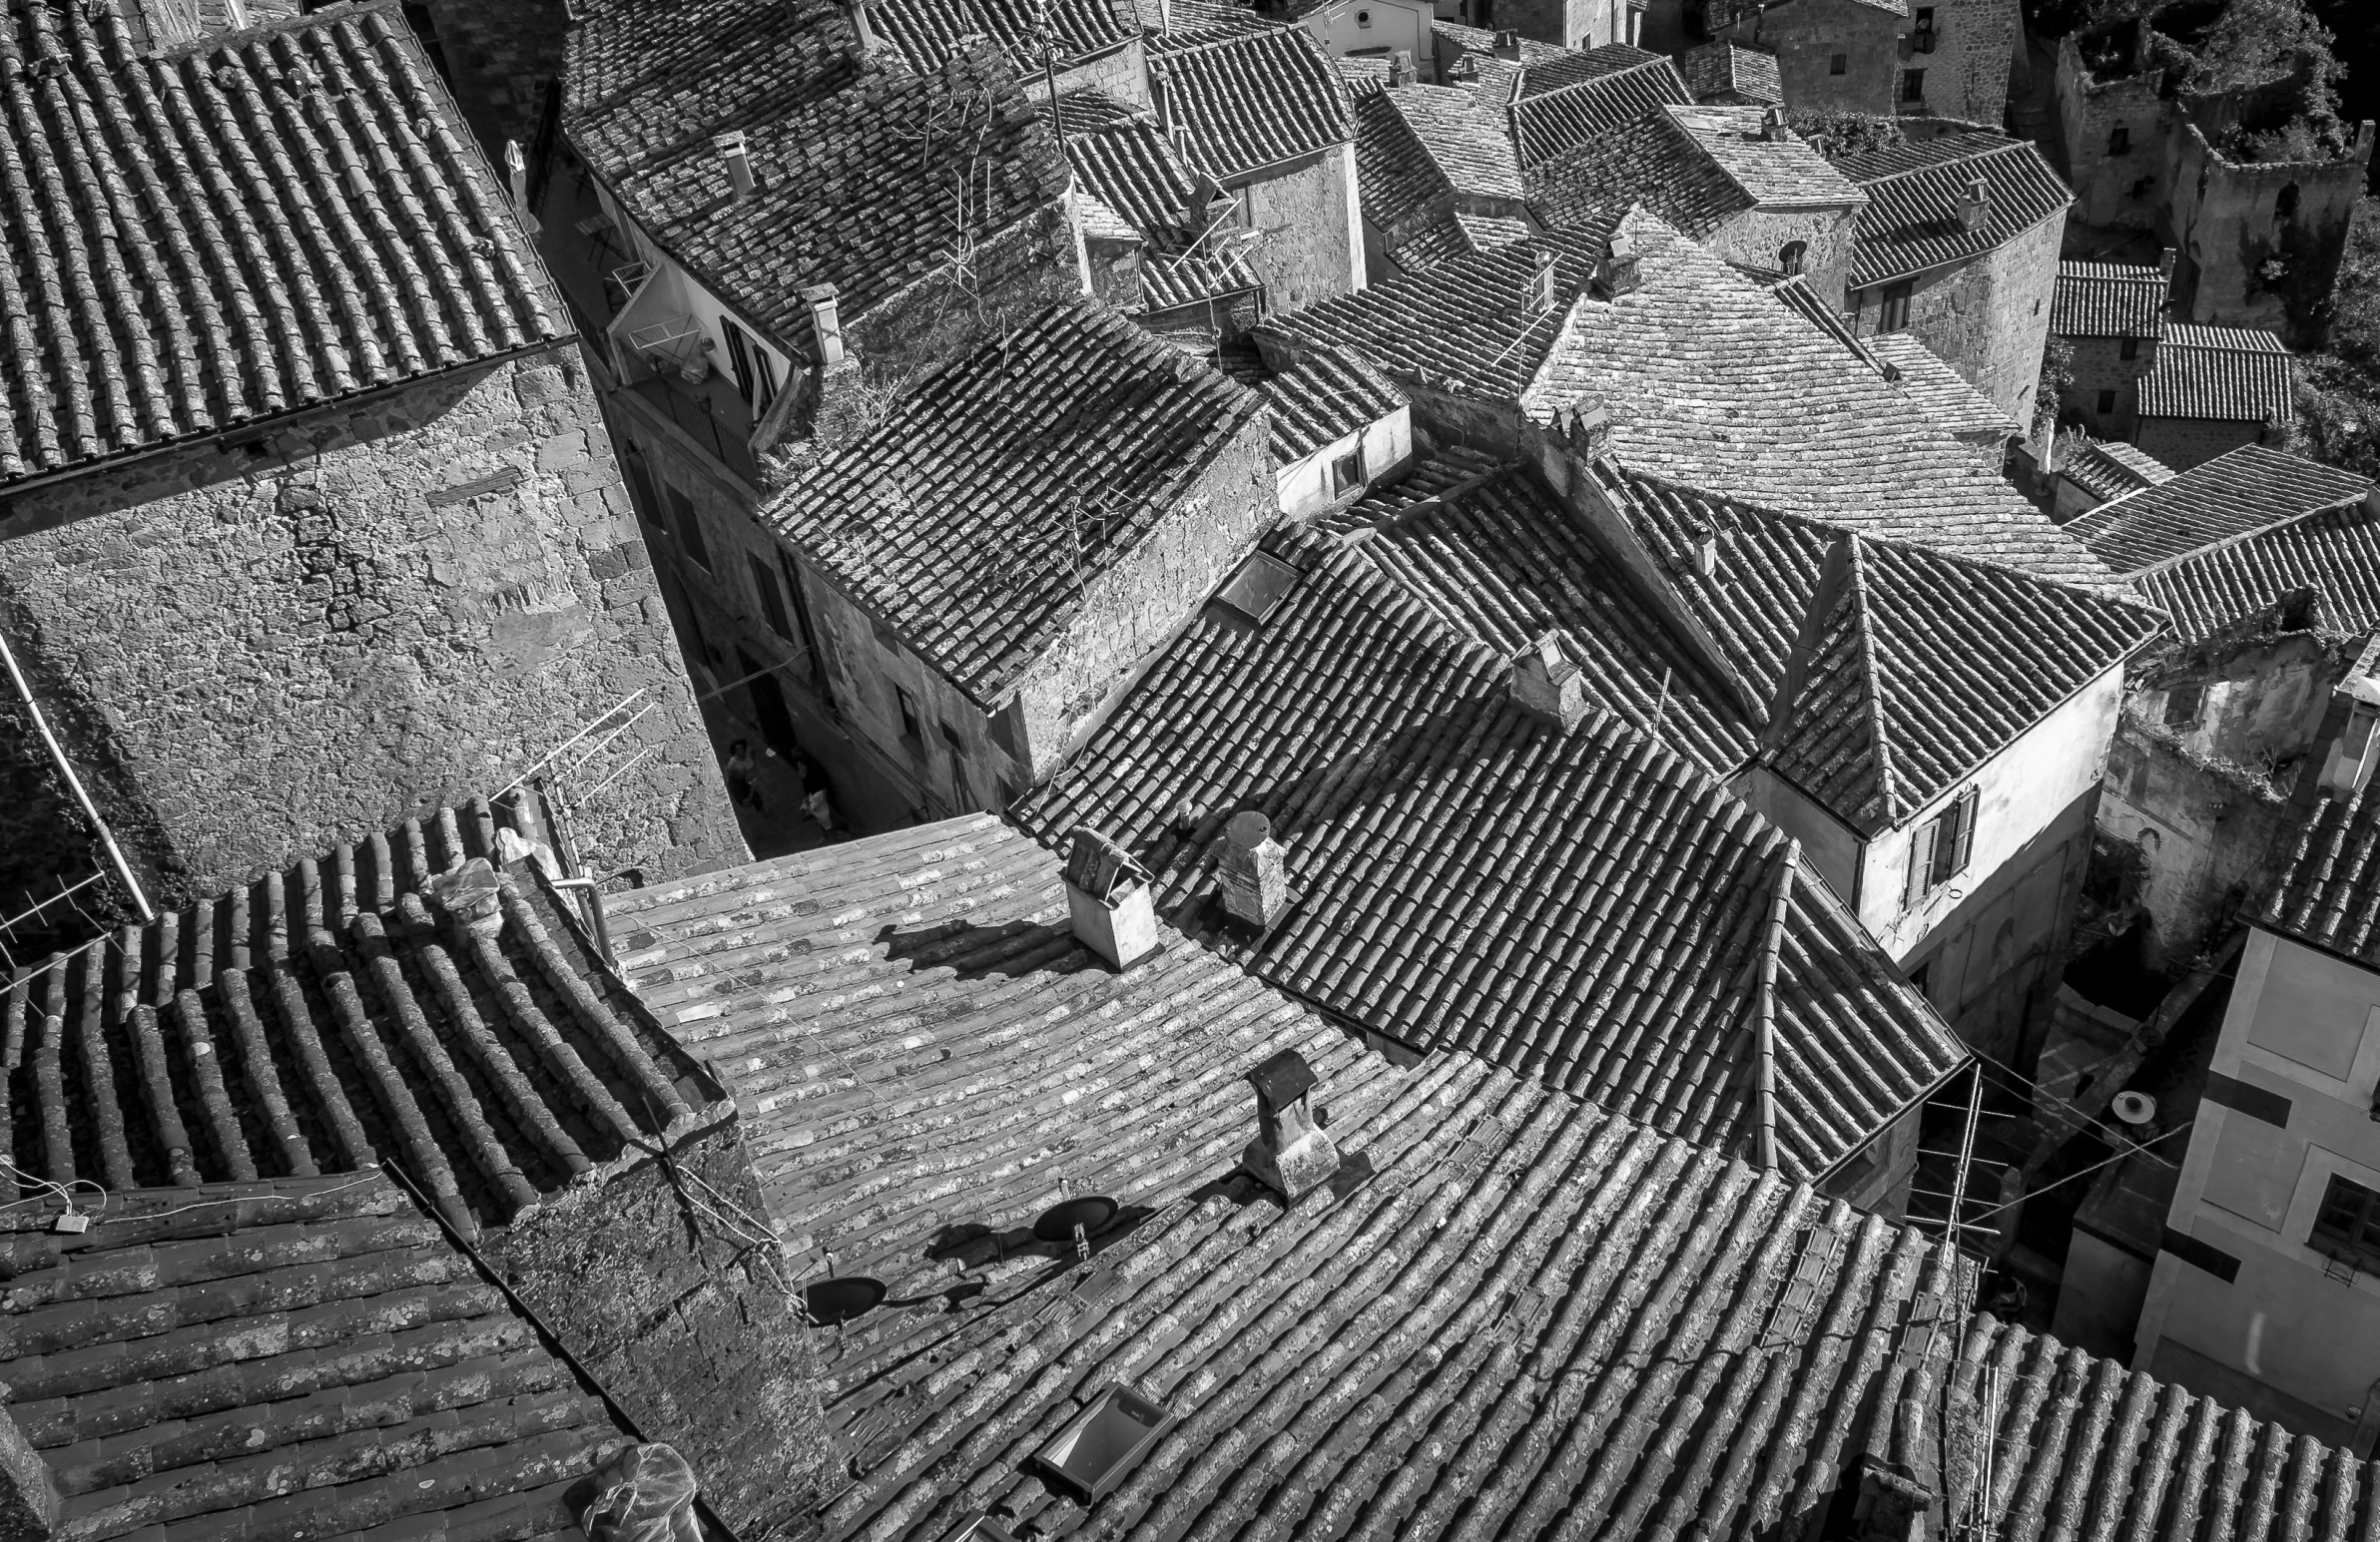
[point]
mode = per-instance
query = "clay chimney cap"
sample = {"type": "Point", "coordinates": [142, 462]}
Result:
{"type": "Point", "coordinates": [1284, 1078]}
{"type": "Point", "coordinates": [1248, 829]}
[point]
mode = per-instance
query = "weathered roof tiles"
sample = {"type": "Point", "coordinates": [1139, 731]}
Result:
{"type": "Point", "coordinates": [1918, 193]}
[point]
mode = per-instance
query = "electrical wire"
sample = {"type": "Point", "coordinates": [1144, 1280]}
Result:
{"type": "Point", "coordinates": [2140, 1150]}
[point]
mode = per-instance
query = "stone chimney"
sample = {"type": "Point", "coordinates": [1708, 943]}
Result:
{"type": "Point", "coordinates": [1107, 892]}
{"type": "Point", "coordinates": [1617, 274]}
{"type": "Point", "coordinates": [1464, 69]}
{"type": "Point", "coordinates": [1252, 871]}
{"type": "Point", "coordinates": [1292, 1153]}
{"type": "Point", "coordinates": [1701, 556]}
{"type": "Point", "coordinates": [1975, 212]}
{"type": "Point", "coordinates": [1507, 46]}
{"type": "Point", "coordinates": [731, 149]}
{"type": "Point", "coordinates": [1772, 124]}
{"type": "Point", "coordinates": [1401, 68]}
{"type": "Point", "coordinates": [824, 325]}
{"type": "Point", "coordinates": [1585, 430]}
{"type": "Point", "coordinates": [472, 896]}
{"type": "Point", "coordinates": [2166, 264]}
{"type": "Point", "coordinates": [29, 1502]}
{"type": "Point", "coordinates": [1549, 684]}
{"type": "Point", "coordinates": [1543, 286]}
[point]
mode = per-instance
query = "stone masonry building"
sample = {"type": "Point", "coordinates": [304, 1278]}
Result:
{"type": "Point", "coordinates": [309, 517]}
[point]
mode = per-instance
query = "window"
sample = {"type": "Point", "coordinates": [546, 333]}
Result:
{"type": "Point", "coordinates": [1363, 18]}
{"type": "Point", "coordinates": [1347, 472]}
{"type": "Point", "coordinates": [912, 731]}
{"type": "Point", "coordinates": [2107, 403]}
{"type": "Point", "coordinates": [1912, 85]}
{"type": "Point", "coordinates": [1838, 64]}
{"type": "Point", "coordinates": [739, 359]}
{"type": "Point", "coordinates": [2348, 1224]}
{"type": "Point", "coordinates": [2132, 347]}
{"type": "Point", "coordinates": [2182, 704]}
{"type": "Point", "coordinates": [1895, 315]}
{"type": "Point", "coordinates": [1941, 848]}
{"type": "Point", "coordinates": [764, 584]}
{"type": "Point", "coordinates": [2140, 187]}
{"type": "Point", "coordinates": [2284, 204]}
{"type": "Point", "coordinates": [689, 529]}
{"type": "Point", "coordinates": [1925, 17]}
{"type": "Point", "coordinates": [2119, 141]}
{"type": "Point", "coordinates": [1921, 979]}
{"type": "Point", "coordinates": [1790, 255]}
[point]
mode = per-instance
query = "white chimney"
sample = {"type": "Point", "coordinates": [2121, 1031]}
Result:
{"type": "Point", "coordinates": [739, 162]}
{"type": "Point", "coordinates": [1107, 894]}
{"type": "Point", "coordinates": [1401, 67]}
{"type": "Point", "coordinates": [1549, 684]}
{"type": "Point", "coordinates": [1292, 1153]}
{"type": "Point", "coordinates": [1252, 871]}
{"type": "Point", "coordinates": [1976, 211]}
{"type": "Point", "coordinates": [824, 326]}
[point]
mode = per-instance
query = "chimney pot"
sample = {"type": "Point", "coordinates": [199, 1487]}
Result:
{"type": "Point", "coordinates": [862, 25]}
{"type": "Point", "coordinates": [1977, 211]}
{"type": "Point", "coordinates": [1772, 124]}
{"type": "Point", "coordinates": [739, 162]}
{"type": "Point", "coordinates": [1549, 684]}
{"type": "Point", "coordinates": [1292, 1153]}
{"type": "Point", "coordinates": [1617, 274]}
{"type": "Point", "coordinates": [1585, 430]}
{"type": "Point", "coordinates": [1507, 46]}
{"type": "Point", "coordinates": [1705, 551]}
{"type": "Point", "coordinates": [1107, 894]}
{"type": "Point", "coordinates": [1252, 871]}
{"type": "Point", "coordinates": [1401, 67]}
{"type": "Point", "coordinates": [824, 325]}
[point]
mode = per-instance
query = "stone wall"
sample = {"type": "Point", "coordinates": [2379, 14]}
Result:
{"type": "Point", "coordinates": [1967, 74]}
{"type": "Point", "coordinates": [1988, 319]}
{"type": "Point", "coordinates": [2111, 191]}
{"type": "Point", "coordinates": [387, 607]}
{"type": "Point", "coordinates": [2099, 365]}
{"type": "Point", "coordinates": [1808, 35]}
{"type": "Point", "coordinates": [2260, 244]}
{"type": "Point", "coordinates": [1313, 248]}
{"type": "Point", "coordinates": [2183, 442]}
{"type": "Point", "coordinates": [662, 1277]}
{"type": "Point", "coordinates": [2204, 832]}
{"type": "Point", "coordinates": [502, 57]}
{"type": "Point", "coordinates": [1828, 236]}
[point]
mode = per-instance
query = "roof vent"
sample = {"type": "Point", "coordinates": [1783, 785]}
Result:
{"type": "Point", "coordinates": [1772, 124]}
{"type": "Point", "coordinates": [1617, 274]}
{"type": "Point", "coordinates": [1507, 46]}
{"type": "Point", "coordinates": [1252, 871]}
{"type": "Point", "coordinates": [1975, 212]}
{"type": "Point", "coordinates": [1073, 1220]}
{"type": "Point", "coordinates": [826, 325]}
{"type": "Point", "coordinates": [1549, 684]}
{"type": "Point", "coordinates": [1098, 1448]}
{"type": "Point", "coordinates": [1544, 285]}
{"type": "Point", "coordinates": [1702, 550]}
{"type": "Point", "coordinates": [1292, 1152]}
{"type": "Point", "coordinates": [739, 162]}
{"type": "Point", "coordinates": [1107, 892]}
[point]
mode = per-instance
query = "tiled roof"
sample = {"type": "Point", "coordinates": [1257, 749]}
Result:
{"type": "Point", "coordinates": [1729, 69]}
{"type": "Point", "coordinates": [918, 1045]}
{"type": "Point", "coordinates": [2108, 299]}
{"type": "Point", "coordinates": [327, 1018]}
{"type": "Point", "coordinates": [292, 1359]}
{"type": "Point", "coordinates": [1916, 194]}
{"type": "Point", "coordinates": [2330, 892]}
{"type": "Point", "coordinates": [1708, 380]}
{"type": "Point", "coordinates": [1192, 278]}
{"type": "Point", "coordinates": [1469, 146]}
{"type": "Point", "coordinates": [2235, 494]}
{"type": "Point", "coordinates": [2334, 554]}
{"type": "Point", "coordinates": [1585, 908]}
{"type": "Point", "coordinates": [1125, 161]}
{"type": "Point", "coordinates": [201, 237]}
{"type": "Point", "coordinates": [1429, 245]}
{"type": "Point", "coordinates": [1775, 174]}
{"type": "Point", "coordinates": [1547, 123]}
{"type": "Point", "coordinates": [1191, 20]}
{"type": "Point", "coordinates": [929, 32]}
{"type": "Point", "coordinates": [1695, 167]}
{"type": "Point", "coordinates": [1395, 176]}
{"type": "Point", "coordinates": [861, 174]}
{"type": "Point", "coordinates": [1793, 292]}
{"type": "Point", "coordinates": [1252, 100]}
{"type": "Point", "coordinates": [1329, 395]}
{"type": "Point", "coordinates": [2108, 470]}
{"type": "Point", "coordinates": [1535, 1319]}
{"type": "Point", "coordinates": [1937, 390]}
{"type": "Point", "coordinates": [968, 519]}
{"type": "Point", "coordinates": [2232, 374]}
{"type": "Point", "coordinates": [1486, 232]}
{"type": "Point", "coordinates": [1922, 667]}
{"type": "Point", "coordinates": [1542, 68]}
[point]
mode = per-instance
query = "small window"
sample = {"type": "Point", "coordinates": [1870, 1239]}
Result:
{"type": "Point", "coordinates": [764, 588]}
{"type": "Point", "coordinates": [739, 359]}
{"type": "Point", "coordinates": [2107, 403]}
{"type": "Point", "coordinates": [2182, 704]}
{"type": "Point", "coordinates": [2348, 1224]}
{"type": "Point", "coordinates": [1363, 18]}
{"type": "Point", "coordinates": [1346, 472]}
{"type": "Point", "coordinates": [1894, 316]}
{"type": "Point", "coordinates": [1941, 848]}
{"type": "Point", "coordinates": [1838, 64]}
{"type": "Point", "coordinates": [689, 529]}
{"type": "Point", "coordinates": [2119, 141]}
{"type": "Point", "coordinates": [912, 727]}
{"type": "Point", "coordinates": [1925, 17]}
{"type": "Point", "coordinates": [957, 744]}
{"type": "Point", "coordinates": [1912, 85]}
{"type": "Point", "coordinates": [2140, 187]}
{"type": "Point", "coordinates": [2132, 347]}
{"type": "Point", "coordinates": [1921, 979]}
{"type": "Point", "coordinates": [1791, 254]}
{"type": "Point", "coordinates": [2284, 204]}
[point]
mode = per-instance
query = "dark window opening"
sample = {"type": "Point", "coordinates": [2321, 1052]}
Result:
{"type": "Point", "coordinates": [957, 745]}
{"type": "Point", "coordinates": [1921, 979]}
{"type": "Point", "coordinates": [1912, 85]}
{"type": "Point", "coordinates": [2132, 347]}
{"type": "Point", "coordinates": [1838, 64]}
{"type": "Point", "coordinates": [812, 662]}
{"type": "Point", "coordinates": [913, 728]}
{"type": "Point", "coordinates": [1895, 315]}
{"type": "Point", "coordinates": [739, 359]}
{"type": "Point", "coordinates": [1346, 472]}
{"type": "Point", "coordinates": [1791, 254]}
{"type": "Point", "coordinates": [2182, 704]}
{"type": "Point", "coordinates": [2284, 204]}
{"type": "Point", "coordinates": [2119, 140]}
{"type": "Point", "coordinates": [2140, 187]}
{"type": "Point", "coordinates": [2107, 403]}
{"type": "Point", "coordinates": [1925, 17]}
{"type": "Point", "coordinates": [2348, 1224]}
{"type": "Point", "coordinates": [689, 529]}
{"type": "Point", "coordinates": [763, 585]}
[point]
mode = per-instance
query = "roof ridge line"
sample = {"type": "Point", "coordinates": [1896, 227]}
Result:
{"type": "Point", "coordinates": [1880, 743]}
{"type": "Point", "coordinates": [1764, 1003]}
{"type": "Point", "coordinates": [2240, 538]}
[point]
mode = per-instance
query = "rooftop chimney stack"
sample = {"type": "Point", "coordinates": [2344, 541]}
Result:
{"type": "Point", "coordinates": [1549, 684]}
{"type": "Point", "coordinates": [864, 27]}
{"type": "Point", "coordinates": [1976, 211]}
{"type": "Point", "coordinates": [1252, 871]}
{"type": "Point", "coordinates": [1586, 430]}
{"type": "Point", "coordinates": [739, 162]}
{"type": "Point", "coordinates": [1107, 894]}
{"type": "Point", "coordinates": [1543, 286]}
{"type": "Point", "coordinates": [1617, 274]}
{"type": "Point", "coordinates": [1292, 1153]}
{"type": "Point", "coordinates": [824, 325]}
{"type": "Point", "coordinates": [1703, 551]}
{"type": "Point", "coordinates": [1507, 46]}
{"type": "Point", "coordinates": [1772, 124]}
{"type": "Point", "coordinates": [1401, 68]}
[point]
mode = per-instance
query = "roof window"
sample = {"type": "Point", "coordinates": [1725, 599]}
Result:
{"type": "Point", "coordinates": [1098, 1448]}
{"type": "Point", "coordinates": [1258, 589]}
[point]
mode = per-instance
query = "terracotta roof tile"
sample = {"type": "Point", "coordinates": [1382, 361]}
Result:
{"type": "Point", "coordinates": [199, 238]}
{"type": "Point", "coordinates": [1124, 162]}
{"type": "Point", "coordinates": [1486, 232]}
{"type": "Point", "coordinates": [1328, 397]}
{"type": "Point", "coordinates": [2232, 374]}
{"type": "Point", "coordinates": [2333, 554]}
{"type": "Point", "coordinates": [1917, 191]}
{"type": "Point", "coordinates": [1467, 145]}
{"type": "Point", "coordinates": [1725, 69]}
{"type": "Point", "coordinates": [1252, 100]}
{"type": "Point", "coordinates": [1546, 123]}
{"type": "Point", "coordinates": [292, 1359]}
{"type": "Point", "coordinates": [326, 1016]}
{"type": "Point", "coordinates": [2108, 299]}
{"type": "Point", "coordinates": [2328, 893]}
{"type": "Point", "coordinates": [2109, 469]}
{"type": "Point", "coordinates": [1193, 277]}
{"type": "Point", "coordinates": [1695, 167]}
{"type": "Point", "coordinates": [2233, 495]}
{"type": "Point", "coordinates": [970, 517]}
{"type": "Point", "coordinates": [1579, 908]}
{"type": "Point", "coordinates": [929, 32]}
{"type": "Point", "coordinates": [1938, 391]}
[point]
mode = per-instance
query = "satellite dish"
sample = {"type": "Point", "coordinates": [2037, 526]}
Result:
{"type": "Point", "coordinates": [1061, 1220]}
{"type": "Point", "coordinates": [832, 1302]}
{"type": "Point", "coordinates": [2135, 1108]}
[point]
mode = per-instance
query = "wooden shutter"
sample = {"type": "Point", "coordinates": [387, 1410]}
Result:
{"type": "Point", "coordinates": [1921, 863]}
{"type": "Point", "coordinates": [1967, 804]}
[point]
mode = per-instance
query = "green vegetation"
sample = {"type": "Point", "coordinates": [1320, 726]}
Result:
{"type": "Point", "coordinates": [1835, 134]}
{"type": "Point", "coordinates": [2338, 393]}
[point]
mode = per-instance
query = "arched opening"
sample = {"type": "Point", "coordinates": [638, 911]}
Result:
{"type": "Point", "coordinates": [2284, 205]}
{"type": "Point", "coordinates": [1790, 255]}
